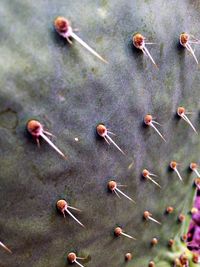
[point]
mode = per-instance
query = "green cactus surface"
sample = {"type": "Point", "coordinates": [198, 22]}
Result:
{"type": "Point", "coordinates": [70, 92]}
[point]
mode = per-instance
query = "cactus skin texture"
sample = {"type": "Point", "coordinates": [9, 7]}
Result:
{"type": "Point", "coordinates": [70, 92]}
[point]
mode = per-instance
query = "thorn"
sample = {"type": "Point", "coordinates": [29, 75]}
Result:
{"type": "Point", "coordinates": [128, 236]}
{"type": "Point", "coordinates": [106, 140]}
{"type": "Point", "coordinates": [35, 128]}
{"type": "Point", "coordinates": [111, 133]}
{"type": "Point", "coordinates": [118, 231]}
{"type": "Point", "coordinates": [188, 46]}
{"type": "Point", "coordinates": [197, 173]}
{"type": "Point", "coordinates": [189, 122]}
{"type": "Point", "coordinates": [5, 247]}
{"type": "Point", "coordinates": [139, 42]}
{"type": "Point", "coordinates": [78, 263]}
{"type": "Point", "coordinates": [63, 27]}
{"type": "Point", "coordinates": [156, 122]}
{"type": "Point", "coordinates": [154, 220]}
{"type": "Point", "coordinates": [62, 206]}
{"type": "Point", "coordinates": [71, 257]}
{"type": "Point", "coordinates": [113, 186]}
{"type": "Point", "coordinates": [38, 142]}
{"type": "Point", "coordinates": [70, 207]}
{"type": "Point", "coordinates": [173, 165]}
{"type": "Point", "coordinates": [103, 132]}
{"type": "Point", "coordinates": [69, 41]}
{"type": "Point", "coordinates": [52, 145]}
{"type": "Point", "coordinates": [181, 112]}
{"type": "Point", "coordinates": [48, 133]}
{"type": "Point", "coordinates": [117, 193]}
{"type": "Point", "coordinates": [125, 195]}
{"type": "Point", "coordinates": [74, 217]}
{"type": "Point", "coordinates": [149, 55]}
{"type": "Point", "coordinates": [78, 39]}
{"type": "Point", "coordinates": [178, 174]}
{"type": "Point", "coordinates": [153, 181]}
{"type": "Point", "coordinates": [154, 127]}
{"type": "Point", "coordinates": [146, 174]}
{"type": "Point", "coordinates": [110, 139]}
{"type": "Point", "coordinates": [148, 120]}
{"type": "Point", "coordinates": [147, 215]}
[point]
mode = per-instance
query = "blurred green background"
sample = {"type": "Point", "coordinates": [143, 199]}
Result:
{"type": "Point", "coordinates": [70, 91]}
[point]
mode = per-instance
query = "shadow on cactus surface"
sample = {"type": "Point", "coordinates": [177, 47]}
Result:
{"type": "Point", "coordinates": [70, 91]}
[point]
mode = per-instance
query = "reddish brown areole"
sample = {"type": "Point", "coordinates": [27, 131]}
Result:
{"type": "Point", "coordinates": [181, 218]}
{"type": "Point", "coordinates": [112, 185]}
{"type": "Point", "coordinates": [128, 256]}
{"type": "Point", "coordinates": [152, 264]}
{"type": "Point", "coordinates": [171, 242]}
{"type": "Point", "coordinates": [71, 257]}
{"type": "Point", "coordinates": [154, 241]}
{"type": "Point", "coordinates": [193, 165]}
{"type": "Point", "coordinates": [61, 205]}
{"type": "Point", "coordinates": [184, 38]}
{"type": "Point", "coordinates": [118, 231]}
{"type": "Point", "coordinates": [148, 119]}
{"type": "Point", "coordinates": [138, 40]}
{"type": "Point", "coordinates": [183, 259]}
{"type": "Point", "coordinates": [169, 209]}
{"type": "Point", "coordinates": [34, 128]}
{"type": "Point", "coordinates": [101, 130]}
{"type": "Point", "coordinates": [180, 111]}
{"type": "Point", "coordinates": [173, 164]}
{"type": "Point", "coordinates": [184, 237]}
{"type": "Point", "coordinates": [145, 173]}
{"type": "Point", "coordinates": [195, 258]}
{"type": "Point", "coordinates": [61, 24]}
{"type": "Point", "coordinates": [146, 214]}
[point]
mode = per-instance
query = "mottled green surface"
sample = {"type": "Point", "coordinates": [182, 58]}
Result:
{"type": "Point", "coordinates": [70, 91]}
